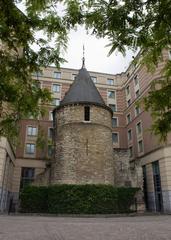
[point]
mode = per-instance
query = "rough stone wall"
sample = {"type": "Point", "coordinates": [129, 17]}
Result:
{"type": "Point", "coordinates": [130, 175]}
{"type": "Point", "coordinates": [75, 114]}
{"type": "Point", "coordinates": [121, 167]}
{"type": "Point", "coordinates": [43, 178]}
{"type": "Point", "coordinates": [84, 152]}
{"type": "Point", "coordinates": [126, 173]}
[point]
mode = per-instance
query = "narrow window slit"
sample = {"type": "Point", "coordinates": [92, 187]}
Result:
{"type": "Point", "coordinates": [87, 113]}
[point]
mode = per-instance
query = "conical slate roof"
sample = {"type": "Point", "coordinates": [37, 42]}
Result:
{"type": "Point", "coordinates": [83, 90]}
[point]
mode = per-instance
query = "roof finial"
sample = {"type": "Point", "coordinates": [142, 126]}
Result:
{"type": "Point", "coordinates": [83, 66]}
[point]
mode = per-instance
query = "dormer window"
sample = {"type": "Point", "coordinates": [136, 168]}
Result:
{"type": "Point", "coordinates": [86, 113]}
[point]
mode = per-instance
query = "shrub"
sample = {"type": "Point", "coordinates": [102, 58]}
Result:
{"type": "Point", "coordinates": [34, 199]}
{"type": "Point", "coordinates": [77, 199]}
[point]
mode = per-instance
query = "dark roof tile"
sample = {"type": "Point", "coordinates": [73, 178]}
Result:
{"type": "Point", "coordinates": [83, 90]}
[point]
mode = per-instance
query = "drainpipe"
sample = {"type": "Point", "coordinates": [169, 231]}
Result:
{"type": "Point", "coordinates": [3, 183]}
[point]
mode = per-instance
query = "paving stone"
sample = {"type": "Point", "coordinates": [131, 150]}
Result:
{"type": "Point", "coordinates": [60, 228]}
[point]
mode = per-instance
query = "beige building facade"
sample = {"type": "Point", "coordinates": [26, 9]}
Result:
{"type": "Point", "coordinates": [131, 139]}
{"type": "Point", "coordinates": [7, 166]}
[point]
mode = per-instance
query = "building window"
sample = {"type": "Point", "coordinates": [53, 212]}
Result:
{"type": "Point", "coordinates": [136, 80]}
{"type": "Point", "coordinates": [131, 152]}
{"type": "Point", "coordinates": [56, 101]}
{"type": "Point", "coordinates": [115, 137]}
{"type": "Point", "coordinates": [139, 128]}
{"type": "Point", "coordinates": [38, 74]}
{"type": "Point", "coordinates": [57, 75]}
{"type": "Point", "coordinates": [129, 135]}
{"type": "Point", "coordinates": [128, 118]}
{"type": "Point", "coordinates": [110, 81]}
{"type": "Point", "coordinates": [137, 93]}
{"type": "Point", "coordinates": [169, 54]}
{"type": "Point", "coordinates": [129, 102]}
{"type": "Point", "coordinates": [31, 131]}
{"type": "Point", "coordinates": [50, 150]}
{"type": "Point", "coordinates": [56, 88]}
{"type": "Point", "coordinates": [140, 146]}
{"type": "Point", "coordinates": [128, 74]}
{"type": "Point", "coordinates": [87, 113]}
{"type": "Point", "coordinates": [113, 107]}
{"type": "Point", "coordinates": [40, 85]}
{"type": "Point", "coordinates": [144, 170]}
{"type": "Point", "coordinates": [30, 148]}
{"type": "Point", "coordinates": [27, 176]}
{"type": "Point", "coordinates": [50, 132]}
{"type": "Point", "coordinates": [74, 76]}
{"type": "Point", "coordinates": [51, 116]}
{"type": "Point", "coordinates": [94, 79]}
{"type": "Point", "coordinates": [127, 90]}
{"type": "Point", "coordinates": [137, 111]}
{"type": "Point", "coordinates": [114, 122]}
{"type": "Point", "coordinates": [157, 186]}
{"type": "Point", "coordinates": [111, 94]}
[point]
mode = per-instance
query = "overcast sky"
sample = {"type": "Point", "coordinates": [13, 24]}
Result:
{"type": "Point", "coordinates": [96, 58]}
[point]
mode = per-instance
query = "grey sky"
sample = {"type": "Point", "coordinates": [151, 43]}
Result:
{"type": "Point", "coordinates": [95, 54]}
{"type": "Point", "coordinates": [95, 51]}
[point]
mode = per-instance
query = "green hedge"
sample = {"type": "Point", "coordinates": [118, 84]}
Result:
{"type": "Point", "coordinates": [77, 199]}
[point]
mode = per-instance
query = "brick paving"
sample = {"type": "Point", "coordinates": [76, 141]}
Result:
{"type": "Point", "coordinates": [60, 228]}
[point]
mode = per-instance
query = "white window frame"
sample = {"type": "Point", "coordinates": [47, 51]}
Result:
{"type": "Point", "coordinates": [118, 137]}
{"type": "Point", "coordinates": [33, 151]}
{"type": "Point", "coordinates": [51, 116]}
{"type": "Point", "coordinates": [49, 129]}
{"type": "Point", "coordinates": [141, 140]}
{"type": "Point", "coordinates": [137, 114]}
{"type": "Point", "coordinates": [129, 130]}
{"type": "Point", "coordinates": [55, 75]}
{"type": "Point", "coordinates": [56, 84]}
{"type": "Point", "coordinates": [55, 100]}
{"type": "Point", "coordinates": [113, 91]}
{"type": "Point", "coordinates": [38, 74]}
{"type": "Point", "coordinates": [110, 81]}
{"type": "Point", "coordinates": [113, 104]}
{"type": "Point", "coordinates": [116, 122]}
{"type": "Point", "coordinates": [169, 53]}
{"type": "Point", "coordinates": [33, 131]}
{"type": "Point", "coordinates": [136, 80]}
{"type": "Point", "coordinates": [137, 131]}
{"type": "Point", "coordinates": [127, 90]}
{"type": "Point", "coordinates": [127, 118]}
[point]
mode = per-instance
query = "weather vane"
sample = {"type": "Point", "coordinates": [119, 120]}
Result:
{"type": "Point", "coordinates": [83, 56]}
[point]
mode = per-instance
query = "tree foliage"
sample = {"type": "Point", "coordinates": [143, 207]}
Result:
{"type": "Point", "coordinates": [145, 25]}
{"type": "Point", "coordinates": [126, 23]}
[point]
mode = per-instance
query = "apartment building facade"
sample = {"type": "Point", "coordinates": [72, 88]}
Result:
{"type": "Point", "coordinates": [130, 130]}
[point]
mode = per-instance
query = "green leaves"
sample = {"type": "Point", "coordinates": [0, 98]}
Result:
{"type": "Point", "coordinates": [159, 103]}
{"type": "Point", "coordinates": [145, 25]}
{"type": "Point", "coordinates": [45, 24]}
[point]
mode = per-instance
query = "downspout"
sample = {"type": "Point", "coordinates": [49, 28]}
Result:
{"type": "Point", "coordinates": [3, 182]}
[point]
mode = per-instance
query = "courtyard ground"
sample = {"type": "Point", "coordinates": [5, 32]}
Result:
{"type": "Point", "coordinates": [60, 228]}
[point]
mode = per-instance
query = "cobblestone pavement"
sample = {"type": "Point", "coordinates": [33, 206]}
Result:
{"type": "Point", "coordinates": [60, 228]}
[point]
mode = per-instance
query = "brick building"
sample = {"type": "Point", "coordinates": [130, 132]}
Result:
{"type": "Point", "coordinates": [130, 133]}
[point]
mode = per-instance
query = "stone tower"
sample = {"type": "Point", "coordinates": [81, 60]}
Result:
{"type": "Point", "coordinates": [83, 136]}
